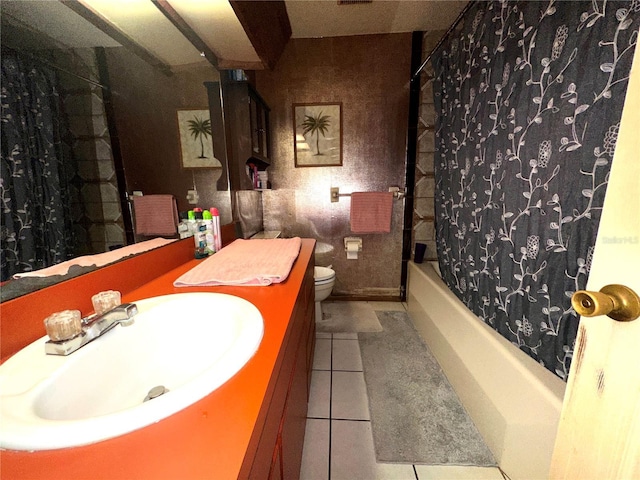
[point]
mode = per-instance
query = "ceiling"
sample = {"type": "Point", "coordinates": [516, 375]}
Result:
{"type": "Point", "coordinates": [214, 25]}
{"type": "Point", "coordinates": [379, 16]}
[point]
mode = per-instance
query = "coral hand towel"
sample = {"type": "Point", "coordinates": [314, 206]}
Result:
{"type": "Point", "coordinates": [245, 262]}
{"type": "Point", "coordinates": [371, 212]}
{"type": "Point", "coordinates": [155, 215]}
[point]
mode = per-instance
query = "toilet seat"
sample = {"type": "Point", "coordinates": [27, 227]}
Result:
{"type": "Point", "coordinates": [323, 275]}
{"type": "Point", "coordinates": [324, 279]}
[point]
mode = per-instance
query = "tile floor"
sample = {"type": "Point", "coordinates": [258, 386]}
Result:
{"type": "Point", "coordinates": [338, 440]}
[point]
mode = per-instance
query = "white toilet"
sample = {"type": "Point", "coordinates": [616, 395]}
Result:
{"type": "Point", "coordinates": [324, 278]}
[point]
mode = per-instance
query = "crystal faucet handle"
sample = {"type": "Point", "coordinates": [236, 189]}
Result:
{"type": "Point", "coordinates": [105, 301]}
{"type": "Point", "coordinates": [63, 325]}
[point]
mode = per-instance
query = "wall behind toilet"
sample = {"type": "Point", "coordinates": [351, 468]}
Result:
{"type": "Point", "coordinates": [370, 75]}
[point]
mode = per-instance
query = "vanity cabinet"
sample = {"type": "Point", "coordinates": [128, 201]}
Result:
{"type": "Point", "coordinates": [252, 426]}
{"type": "Point", "coordinates": [278, 455]}
{"type": "Point", "coordinates": [246, 119]}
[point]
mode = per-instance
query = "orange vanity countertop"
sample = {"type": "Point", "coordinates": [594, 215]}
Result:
{"type": "Point", "coordinates": [209, 439]}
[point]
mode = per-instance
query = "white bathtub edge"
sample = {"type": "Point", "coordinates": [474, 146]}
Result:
{"type": "Point", "coordinates": [513, 400]}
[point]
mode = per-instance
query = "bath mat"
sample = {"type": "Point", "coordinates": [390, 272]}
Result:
{"type": "Point", "coordinates": [347, 317]}
{"type": "Point", "coordinates": [416, 417]}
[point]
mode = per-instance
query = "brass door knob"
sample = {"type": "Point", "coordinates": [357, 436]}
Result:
{"type": "Point", "coordinates": [616, 301]}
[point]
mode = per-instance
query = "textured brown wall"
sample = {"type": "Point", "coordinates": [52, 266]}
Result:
{"type": "Point", "coordinates": [370, 76]}
{"type": "Point", "coordinates": [145, 103]}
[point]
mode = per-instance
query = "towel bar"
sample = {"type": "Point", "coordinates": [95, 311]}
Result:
{"type": "Point", "coordinates": [335, 193]}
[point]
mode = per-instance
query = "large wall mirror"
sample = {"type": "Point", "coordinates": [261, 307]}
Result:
{"type": "Point", "coordinates": [110, 128]}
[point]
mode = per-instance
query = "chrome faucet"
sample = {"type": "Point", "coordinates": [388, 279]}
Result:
{"type": "Point", "coordinates": [93, 327]}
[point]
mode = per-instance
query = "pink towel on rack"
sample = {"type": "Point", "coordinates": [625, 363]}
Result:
{"type": "Point", "coordinates": [155, 214]}
{"type": "Point", "coordinates": [371, 212]}
{"type": "Point", "coordinates": [245, 262]}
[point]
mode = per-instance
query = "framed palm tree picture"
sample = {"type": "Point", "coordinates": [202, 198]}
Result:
{"type": "Point", "coordinates": [196, 145]}
{"type": "Point", "coordinates": [317, 134]}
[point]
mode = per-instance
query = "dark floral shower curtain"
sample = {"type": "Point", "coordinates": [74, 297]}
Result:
{"type": "Point", "coordinates": [528, 98]}
{"type": "Point", "coordinates": [37, 168]}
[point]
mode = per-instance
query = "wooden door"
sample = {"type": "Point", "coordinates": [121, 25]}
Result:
{"type": "Point", "coordinates": [599, 432]}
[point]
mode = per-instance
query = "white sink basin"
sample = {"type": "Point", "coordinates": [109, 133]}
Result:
{"type": "Point", "coordinates": [190, 343]}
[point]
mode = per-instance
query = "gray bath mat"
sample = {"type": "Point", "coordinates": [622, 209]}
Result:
{"type": "Point", "coordinates": [416, 417]}
{"type": "Point", "coordinates": [349, 317]}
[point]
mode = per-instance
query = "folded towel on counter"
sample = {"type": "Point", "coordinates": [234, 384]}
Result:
{"type": "Point", "coordinates": [371, 212]}
{"type": "Point", "coordinates": [245, 262]}
{"type": "Point", "coordinates": [98, 260]}
{"type": "Point", "coordinates": [155, 214]}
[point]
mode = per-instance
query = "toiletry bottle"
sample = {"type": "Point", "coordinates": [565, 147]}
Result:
{"type": "Point", "coordinates": [217, 237]}
{"type": "Point", "coordinates": [207, 221]}
{"type": "Point", "coordinates": [200, 241]}
{"type": "Point", "coordinates": [191, 222]}
{"type": "Point", "coordinates": [199, 237]}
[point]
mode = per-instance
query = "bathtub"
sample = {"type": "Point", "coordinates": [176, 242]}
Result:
{"type": "Point", "coordinates": [512, 399]}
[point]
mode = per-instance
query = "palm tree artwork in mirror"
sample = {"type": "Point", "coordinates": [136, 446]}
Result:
{"type": "Point", "coordinates": [196, 145]}
{"type": "Point", "coordinates": [317, 134]}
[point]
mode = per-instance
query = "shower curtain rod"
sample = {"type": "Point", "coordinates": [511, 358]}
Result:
{"type": "Point", "coordinates": [442, 39]}
{"type": "Point", "coordinates": [37, 58]}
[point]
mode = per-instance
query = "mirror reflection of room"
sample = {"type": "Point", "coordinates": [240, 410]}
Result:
{"type": "Point", "coordinates": [86, 123]}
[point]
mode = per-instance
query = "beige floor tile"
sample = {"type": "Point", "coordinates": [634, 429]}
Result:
{"type": "Point", "coordinates": [320, 394]}
{"type": "Point", "coordinates": [345, 336]}
{"type": "Point", "coordinates": [322, 354]}
{"type": "Point", "coordinates": [315, 454]}
{"type": "Point", "coordinates": [346, 355]}
{"type": "Point", "coordinates": [349, 396]}
{"type": "Point", "coordinates": [454, 472]}
{"type": "Point", "coordinates": [353, 456]}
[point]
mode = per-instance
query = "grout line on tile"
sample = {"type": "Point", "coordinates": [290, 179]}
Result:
{"type": "Point", "coordinates": [330, 406]}
{"type": "Point", "coordinates": [318, 418]}
{"type": "Point", "coordinates": [351, 420]}
{"type": "Point", "coordinates": [350, 371]}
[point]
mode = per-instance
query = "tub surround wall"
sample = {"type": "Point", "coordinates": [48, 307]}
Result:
{"type": "Point", "coordinates": [98, 220]}
{"type": "Point", "coordinates": [423, 196]}
{"type": "Point", "coordinates": [369, 75]}
{"type": "Point", "coordinates": [513, 400]}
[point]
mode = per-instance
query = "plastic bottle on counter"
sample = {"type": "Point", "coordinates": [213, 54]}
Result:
{"type": "Point", "coordinates": [199, 236]}
{"type": "Point", "coordinates": [217, 236]}
{"type": "Point", "coordinates": [207, 221]}
{"type": "Point", "coordinates": [191, 223]}
{"type": "Point", "coordinates": [201, 242]}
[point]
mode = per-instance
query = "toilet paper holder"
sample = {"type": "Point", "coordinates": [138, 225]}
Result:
{"type": "Point", "coordinates": [352, 240]}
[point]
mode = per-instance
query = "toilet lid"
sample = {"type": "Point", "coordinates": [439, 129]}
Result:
{"type": "Point", "coordinates": [323, 275]}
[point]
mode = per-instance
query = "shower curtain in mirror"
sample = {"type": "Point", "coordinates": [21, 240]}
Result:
{"type": "Point", "coordinates": [36, 169]}
{"type": "Point", "coordinates": [528, 99]}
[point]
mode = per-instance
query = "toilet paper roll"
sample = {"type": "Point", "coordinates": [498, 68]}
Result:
{"type": "Point", "coordinates": [352, 250]}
